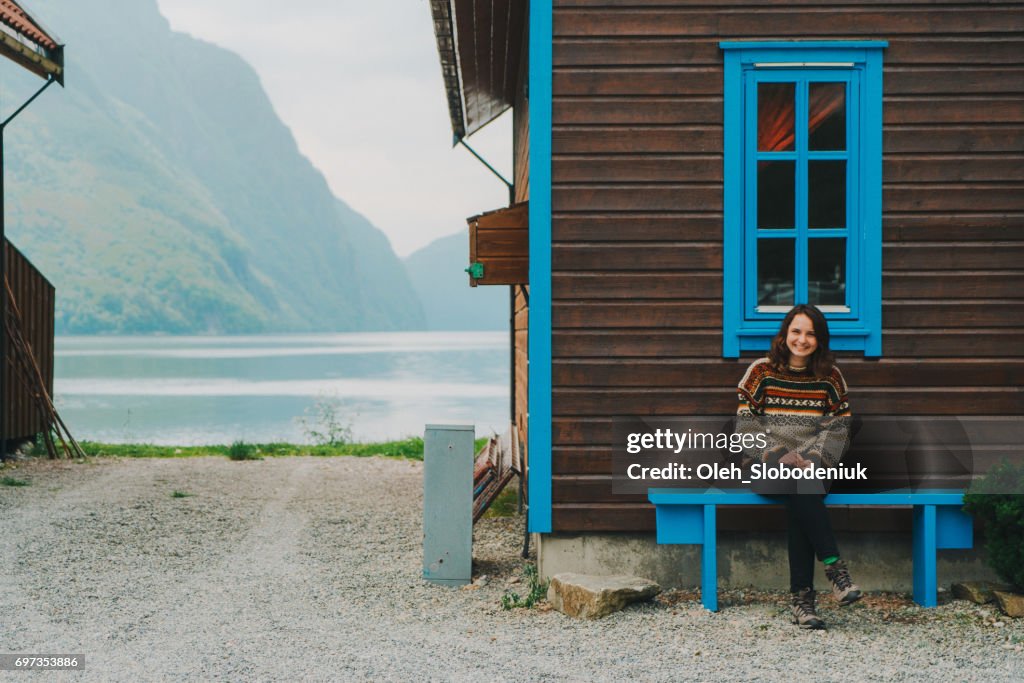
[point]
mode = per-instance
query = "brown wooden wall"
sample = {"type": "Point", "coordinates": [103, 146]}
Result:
{"type": "Point", "coordinates": [521, 180]}
{"type": "Point", "coordinates": [637, 218]}
{"type": "Point", "coordinates": [34, 297]}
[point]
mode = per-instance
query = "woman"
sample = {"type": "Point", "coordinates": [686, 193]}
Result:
{"type": "Point", "coordinates": [797, 397]}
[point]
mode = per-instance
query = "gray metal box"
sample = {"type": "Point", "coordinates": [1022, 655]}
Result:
{"type": "Point", "coordinates": [448, 504]}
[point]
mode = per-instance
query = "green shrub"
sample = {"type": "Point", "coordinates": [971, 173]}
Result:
{"type": "Point", "coordinates": [998, 500]}
{"type": "Point", "coordinates": [324, 425]}
{"type": "Point", "coordinates": [11, 481]}
{"type": "Point", "coordinates": [538, 591]}
{"type": "Point", "coordinates": [241, 450]}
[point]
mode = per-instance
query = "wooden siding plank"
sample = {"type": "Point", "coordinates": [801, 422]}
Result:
{"type": "Point", "coordinates": [610, 140]}
{"type": "Point", "coordinates": [696, 197]}
{"type": "Point", "coordinates": [743, 4]}
{"type": "Point", "coordinates": [917, 343]}
{"type": "Point", "coordinates": [707, 80]}
{"type": "Point", "coordinates": [497, 242]}
{"type": "Point", "coordinates": [704, 256]}
{"type": "Point", "coordinates": [948, 139]}
{"type": "Point", "coordinates": [647, 109]}
{"type": "Point", "coordinates": [635, 314]}
{"type": "Point", "coordinates": [938, 109]}
{"type": "Point", "coordinates": [636, 198]}
{"type": "Point", "coordinates": [694, 285]}
{"type": "Point", "coordinates": [953, 256]}
{"type": "Point", "coordinates": [963, 79]}
{"type": "Point", "coordinates": [657, 110]}
{"type": "Point", "coordinates": [637, 227]}
{"type": "Point", "coordinates": [952, 168]}
{"type": "Point", "coordinates": [637, 168]}
{"type": "Point", "coordinates": [615, 517]}
{"type": "Point", "coordinates": [638, 81]}
{"type": "Point", "coordinates": [1007, 197]}
{"type": "Point", "coordinates": [962, 225]}
{"type": "Point", "coordinates": [961, 285]}
{"type": "Point", "coordinates": [953, 139]}
{"type": "Point", "coordinates": [682, 168]}
{"type": "Point", "coordinates": [750, 22]}
{"type": "Point", "coordinates": [703, 372]}
{"type": "Point", "coordinates": [682, 51]}
{"type": "Point", "coordinates": [697, 401]}
{"type": "Point", "coordinates": [667, 256]}
{"type": "Point", "coordinates": [939, 313]}
{"type": "Point", "coordinates": [503, 271]}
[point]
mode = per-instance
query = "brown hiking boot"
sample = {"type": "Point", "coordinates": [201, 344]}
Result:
{"type": "Point", "coordinates": [804, 615]}
{"type": "Point", "coordinates": [843, 587]}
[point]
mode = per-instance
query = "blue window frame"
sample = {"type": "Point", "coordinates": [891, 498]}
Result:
{"type": "Point", "coordinates": [803, 190]}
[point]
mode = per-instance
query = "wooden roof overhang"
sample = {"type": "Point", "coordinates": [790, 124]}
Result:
{"type": "Point", "coordinates": [24, 41]}
{"type": "Point", "coordinates": [480, 45]}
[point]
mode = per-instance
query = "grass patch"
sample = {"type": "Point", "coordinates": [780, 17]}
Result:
{"type": "Point", "coordinates": [538, 590]}
{"type": "Point", "coordinates": [181, 494]}
{"type": "Point", "coordinates": [410, 449]}
{"type": "Point", "coordinates": [241, 450]}
{"type": "Point", "coordinates": [507, 502]}
{"type": "Point", "coordinates": [11, 481]}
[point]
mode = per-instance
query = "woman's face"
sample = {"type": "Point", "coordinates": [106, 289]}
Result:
{"type": "Point", "coordinates": [800, 340]}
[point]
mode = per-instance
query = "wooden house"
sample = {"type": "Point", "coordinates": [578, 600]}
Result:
{"type": "Point", "coordinates": [692, 170]}
{"type": "Point", "coordinates": [27, 302]}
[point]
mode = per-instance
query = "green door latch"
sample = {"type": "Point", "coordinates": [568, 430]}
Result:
{"type": "Point", "coordinates": [476, 270]}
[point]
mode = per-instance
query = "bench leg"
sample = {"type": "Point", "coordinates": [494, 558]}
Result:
{"type": "Point", "coordinates": [925, 556]}
{"type": "Point", "coordinates": [709, 561]}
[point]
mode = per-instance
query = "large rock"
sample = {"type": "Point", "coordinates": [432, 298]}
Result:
{"type": "Point", "coordinates": [979, 592]}
{"type": "Point", "coordinates": [591, 597]}
{"type": "Point", "coordinates": [1012, 604]}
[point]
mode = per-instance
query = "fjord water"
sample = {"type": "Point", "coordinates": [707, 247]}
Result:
{"type": "Point", "coordinates": [263, 388]}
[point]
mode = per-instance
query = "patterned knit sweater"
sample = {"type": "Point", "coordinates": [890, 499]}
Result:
{"type": "Point", "coordinates": [796, 411]}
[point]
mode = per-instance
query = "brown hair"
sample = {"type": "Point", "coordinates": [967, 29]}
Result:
{"type": "Point", "coordinates": [822, 360]}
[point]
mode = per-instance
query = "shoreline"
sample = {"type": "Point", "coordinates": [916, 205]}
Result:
{"type": "Point", "coordinates": [410, 448]}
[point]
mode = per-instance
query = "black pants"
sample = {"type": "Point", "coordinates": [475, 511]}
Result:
{"type": "Point", "coordinates": [810, 535]}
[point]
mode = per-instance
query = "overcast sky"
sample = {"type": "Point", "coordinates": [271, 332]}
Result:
{"type": "Point", "coordinates": [359, 84]}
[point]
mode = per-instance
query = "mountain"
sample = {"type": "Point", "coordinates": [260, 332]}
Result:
{"type": "Point", "coordinates": [160, 192]}
{"type": "Point", "coordinates": [437, 272]}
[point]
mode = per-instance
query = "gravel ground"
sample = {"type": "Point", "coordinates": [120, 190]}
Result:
{"type": "Point", "coordinates": [309, 569]}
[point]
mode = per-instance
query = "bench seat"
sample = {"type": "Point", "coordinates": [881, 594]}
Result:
{"type": "Point", "coordinates": [688, 516]}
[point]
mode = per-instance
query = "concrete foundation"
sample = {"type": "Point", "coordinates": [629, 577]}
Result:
{"type": "Point", "coordinates": [879, 561]}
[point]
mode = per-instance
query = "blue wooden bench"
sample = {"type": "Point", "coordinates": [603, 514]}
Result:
{"type": "Point", "coordinates": [688, 516]}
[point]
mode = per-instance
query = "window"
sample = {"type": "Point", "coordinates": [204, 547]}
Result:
{"type": "Point", "coordinates": [803, 190]}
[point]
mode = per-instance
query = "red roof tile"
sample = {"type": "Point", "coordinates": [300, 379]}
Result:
{"type": "Point", "coordinates": [12, 15]}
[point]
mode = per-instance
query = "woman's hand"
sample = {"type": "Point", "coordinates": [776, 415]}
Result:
{"type": "Point", "coordinates": [793, 459]}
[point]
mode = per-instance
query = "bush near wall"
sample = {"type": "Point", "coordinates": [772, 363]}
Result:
{"type": "Point", "coordinates": [998, 500]}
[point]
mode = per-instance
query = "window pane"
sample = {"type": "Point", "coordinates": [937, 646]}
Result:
{"type": "Point", "coordinates": [775, 270]}
{"type": "Point", "coordinates": [826, 271]}
{"type": "Point", "coordinates": [827, 116]}
{"type": "Point", "coordinates": [776, 185]}
{"type": "Point", "coordinates": [826, 194]}
{"type": "Point", "coordinates": [775, 116]}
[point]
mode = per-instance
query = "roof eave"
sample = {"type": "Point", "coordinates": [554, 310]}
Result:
{"type": "Point", "coordinates": [44, 62]}
{"type": "Point", "coordinates": [444, 32]}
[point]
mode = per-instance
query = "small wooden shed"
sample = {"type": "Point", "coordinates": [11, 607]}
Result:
{"type": "Point", "coordinates": [693, 170]}
{"type": "Point", "coordinates": [28, 298]}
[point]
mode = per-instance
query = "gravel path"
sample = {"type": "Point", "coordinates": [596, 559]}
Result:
{"type": "Point", "coordinates": [309, 569]}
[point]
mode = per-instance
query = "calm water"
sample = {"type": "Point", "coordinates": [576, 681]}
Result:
{"type": "Point", "coordinates": [198, 390]}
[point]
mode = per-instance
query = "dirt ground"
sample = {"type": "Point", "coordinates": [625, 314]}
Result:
{"type": "Point", "coordinates": [308, 568]}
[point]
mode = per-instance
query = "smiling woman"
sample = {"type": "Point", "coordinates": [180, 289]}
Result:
{"type": "Point", "coordinates": [797, 398]}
